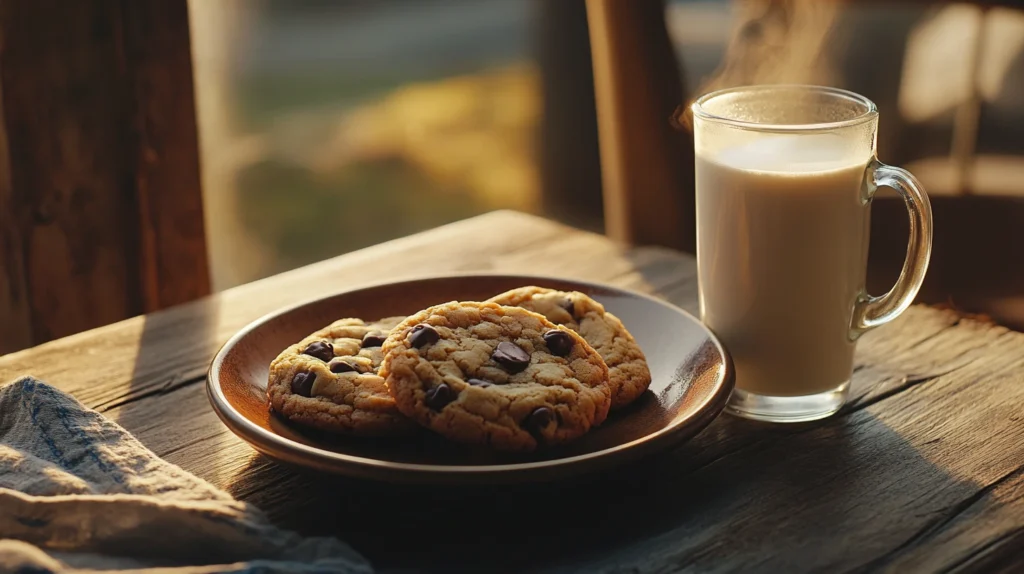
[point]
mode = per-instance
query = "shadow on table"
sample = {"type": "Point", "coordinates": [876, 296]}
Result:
{"type": "Point", "coordinates": [174, 351]}
{"type": "Point", "coordinates": [740, 496]}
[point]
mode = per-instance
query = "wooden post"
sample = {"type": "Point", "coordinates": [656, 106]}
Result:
{"type": "Point", "coordinates": [100, 201]}
{"type": "Point", "coordinates": [646, 164]}
{"type": "Point", "coordinates": [570, 163]}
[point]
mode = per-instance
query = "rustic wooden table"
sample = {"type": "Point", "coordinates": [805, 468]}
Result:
{"type": "Point", "coordinates": [923, 471]}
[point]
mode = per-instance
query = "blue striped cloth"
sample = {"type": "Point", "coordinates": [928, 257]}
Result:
{"type": "Point", "coordinates": [78, 493]}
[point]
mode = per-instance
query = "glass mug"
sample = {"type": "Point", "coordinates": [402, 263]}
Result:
{"type": "Point", "coordinates": [785, 177]}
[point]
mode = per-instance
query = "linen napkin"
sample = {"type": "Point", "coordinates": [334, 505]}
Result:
{"type": "Point", "coordinates": [80, 494]}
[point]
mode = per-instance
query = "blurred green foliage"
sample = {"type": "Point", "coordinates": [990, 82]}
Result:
{"type": "Point", "coordinates": [307, 218]}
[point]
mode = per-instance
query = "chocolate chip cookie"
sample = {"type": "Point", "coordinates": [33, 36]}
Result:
{"type": "Point", "coordinates": [501, 376]}
{"type": "Point", "coordinates": [329, 380]}
{"type": "Point", "coordinates": [628, 373]}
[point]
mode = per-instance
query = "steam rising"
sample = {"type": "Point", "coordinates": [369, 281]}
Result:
{"type": "Point", "coordinates": [774, 42]}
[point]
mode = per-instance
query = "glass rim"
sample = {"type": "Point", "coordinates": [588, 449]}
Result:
{"type": "Point", "coordinates": [869, 114]}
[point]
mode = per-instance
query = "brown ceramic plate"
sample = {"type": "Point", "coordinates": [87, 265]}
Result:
{"type": "Point", "coordinates": [692, 379]}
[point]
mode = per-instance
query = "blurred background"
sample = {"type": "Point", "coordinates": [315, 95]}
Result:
{"type": "Point", "coordinates": [154, 152]}
{"type": "Point", "coordinates": [326, 126]}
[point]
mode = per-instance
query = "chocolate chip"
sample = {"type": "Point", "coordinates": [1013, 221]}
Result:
{"type": "Point", "coordinates": [423, 335]}
{"type": "Point", "coordinates": [374, 339]}
{"type": "Point", "coordinates": [343, 366]}
{"type": "Point", "coordinates": [569, 306]}
{"type": "Point", "coordinates": [511, 356]}
{"type": "Point", "coordinates": [439, 396]}
{"type": "Point", "coordinates": [320, 349]}
{"type": "Point", "coordinates": [538, 420]}
{"type": "Point", "coordinates": [302, 384]}
{"type": "Point", "coordinates": [479, 383]}
{"type": "Point", "coordinates": [559, 342]}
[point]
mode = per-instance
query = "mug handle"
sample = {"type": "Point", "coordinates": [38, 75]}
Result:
{"type": "Point", "coordinates": [870, 312]}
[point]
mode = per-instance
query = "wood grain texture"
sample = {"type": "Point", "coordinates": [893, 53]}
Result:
{"type": "Point", "coordinates": [921, 472]}
{"type": "Point", "coordinates": [646, 164]}
{"type": "Point", "coordinates": [14, 305]}
{"type": "Point", "coordinates": [157, 51]}
{"type": "Point", "coordinates": [570, 163]}
{"type": "Point", "coordinates": [102, 208]}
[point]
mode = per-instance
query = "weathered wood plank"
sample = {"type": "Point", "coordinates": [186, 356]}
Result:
{"type": "Point", "coordinates": [102, 208]}
{"type": "Point", "coordinates": [646, 164]}
{"type": "Point", "coordinates": [62, 111]}
{"type": "Point", "coordinates": [568, 156]}
{"type": "Point", "coordinates": [157, 49]}
{"type": "Point", "coordinates": [14, 305]}
{"type": "Point", "coordinates": [922, 472]}
{"type": "Point", "coordinates": [984, 531]}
